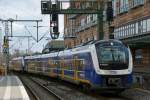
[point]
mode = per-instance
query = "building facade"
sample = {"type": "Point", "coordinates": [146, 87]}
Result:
{"type": "Point", "coordinates": [132, 25]}
{"type": "Point", "coordinates": [82, 28]}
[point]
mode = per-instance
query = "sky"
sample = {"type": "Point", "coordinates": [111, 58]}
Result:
{"type": "Point", "coordinates": [27, 9]}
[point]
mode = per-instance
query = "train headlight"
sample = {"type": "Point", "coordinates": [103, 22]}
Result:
{"type": "Point", "coordinates": [111, 44]}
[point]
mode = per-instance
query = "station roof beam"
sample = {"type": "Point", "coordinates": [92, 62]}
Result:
{"type": "Point", "coordinates": [74, 6]}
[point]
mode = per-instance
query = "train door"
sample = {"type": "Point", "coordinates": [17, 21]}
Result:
{"type": "Point", "coordinates": [75, 65]}
{"type": "Point", "coordinates": [58, 68]}
{"type": "Point", "coordinates": [51, 67]}
{"type": "Point", "coordinates": [23, 63]}
{"type": "Point", "coordinates": [78, 65]}
{"type": "Point", "coordinates": [62, 66]}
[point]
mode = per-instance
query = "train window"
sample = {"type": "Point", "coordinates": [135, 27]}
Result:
{"type": "Point", "coordinates": [112, 54]}
{"type": "Point", "coordinates": [66, 65]}
{"type": "Point", "coordinates": [50, 63]}
{"type": "Point", "coordinates": [57, 63]}
{"type": "Point", "coordinates": [118, 56]}
{"type": "Point", "coordinates": [80, 64]}
{"type": "Point", "coordinates": [62, 63]}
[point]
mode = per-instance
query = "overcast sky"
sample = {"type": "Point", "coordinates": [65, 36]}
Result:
{"type": "Point", "coordinates": [26, 9]}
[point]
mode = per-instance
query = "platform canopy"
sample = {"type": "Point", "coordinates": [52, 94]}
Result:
{"type": "Point", "coordinates": [138, 41]}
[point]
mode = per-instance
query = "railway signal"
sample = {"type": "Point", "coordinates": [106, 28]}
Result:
{"type": "Point", "coordinates": [55, 7]}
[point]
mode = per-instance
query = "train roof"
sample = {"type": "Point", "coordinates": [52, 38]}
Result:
{"type": "Point", "coordinates": [18, 58]}
{"type": "Point", "coordinates": [61, 53]}
{"type": "Point", "coordinates": [79, 49]}
{"type": "Point", "coordinates": [110, 40]}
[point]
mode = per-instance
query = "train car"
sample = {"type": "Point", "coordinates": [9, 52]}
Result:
{"type": "Point", "coordinates": [16, 64]}
{"type": "Point", "coordinates": [101, 65]}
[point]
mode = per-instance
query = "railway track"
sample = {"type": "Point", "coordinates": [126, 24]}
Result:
{"type": "Point", "coordinates": [50, 91]}
{"type": "Point", "coordinates": [31, 93]}
{"type": "Point", "coordinates": [37, 91]}
{"type": "Point", "coordinates": [67, 91]}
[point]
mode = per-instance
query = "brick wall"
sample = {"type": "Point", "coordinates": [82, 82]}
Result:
{"type": "Point", "coordinates": [128, 17]}
{"type": "Point", "coordinates": [85, 35]}
{"type": "Point", "coordinates": [133, 14]}
{"type": "Point", "coordinates": [146, 56]}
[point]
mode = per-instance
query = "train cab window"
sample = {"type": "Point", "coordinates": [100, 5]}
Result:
{"type": "Point", "coordinates": [112, 55]}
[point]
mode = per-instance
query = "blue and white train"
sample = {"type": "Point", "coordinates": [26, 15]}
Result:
{"type": "Point", "coordinates": [105, 64]}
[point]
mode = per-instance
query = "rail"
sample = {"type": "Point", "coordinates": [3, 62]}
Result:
{"type": "Point", "coordinates": [74, 93]}
{"type": "Point", "coordinates": [35, 88]}
{"type": "Point", "coordinates": [57, 96]}
{"type": "Point", "coordinates": [30, 90]}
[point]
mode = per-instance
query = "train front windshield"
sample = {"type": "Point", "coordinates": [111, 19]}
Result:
{"type": "Point", "coordinates": [112, 56]}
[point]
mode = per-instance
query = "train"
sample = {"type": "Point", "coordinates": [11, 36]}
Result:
{"type": "Point", "coordinates": [103, 64]}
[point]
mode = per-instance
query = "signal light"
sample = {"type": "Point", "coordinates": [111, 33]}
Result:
{"type": "Point", "coordinates": [54, 17]}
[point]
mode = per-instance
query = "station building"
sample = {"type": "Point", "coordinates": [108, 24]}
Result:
{"type": "Point", "coordinates": [132, 26]}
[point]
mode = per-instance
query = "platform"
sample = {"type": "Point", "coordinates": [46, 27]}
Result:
{"type": "Point", "coordinates": [11, 88]}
